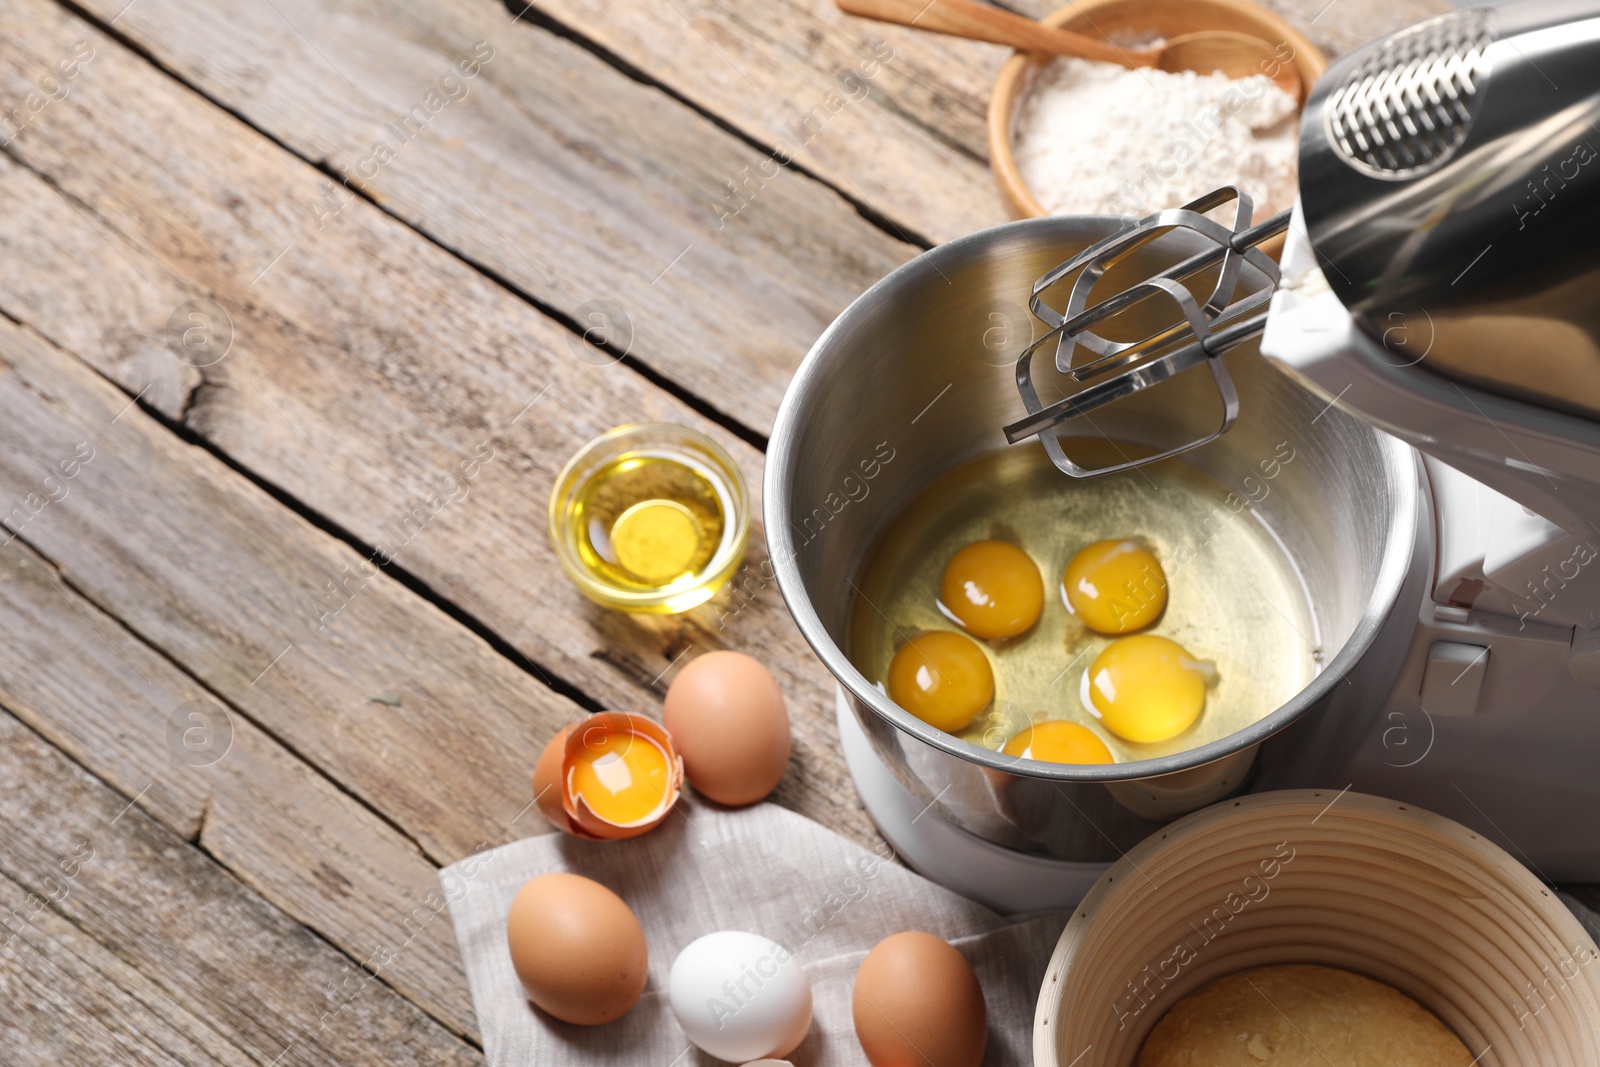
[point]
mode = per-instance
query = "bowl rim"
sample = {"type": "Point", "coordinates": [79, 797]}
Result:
{"type": "Point", "coordinates": [1007, 94]}
{"type": "Point", "coordinates": [1527, 889]}
{"type": "Point", "coordinates": [1394, 567]}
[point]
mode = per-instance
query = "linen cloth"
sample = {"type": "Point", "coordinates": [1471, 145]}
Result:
{"type": "Point", "coordinates": [766, 870]}
{"type": "Point", "coordinates": [762, 869]}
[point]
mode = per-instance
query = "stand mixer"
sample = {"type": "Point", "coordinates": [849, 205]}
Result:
{"type": "Point", "coordinates": [1435, 284]}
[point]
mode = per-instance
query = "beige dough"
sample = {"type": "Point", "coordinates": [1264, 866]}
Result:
{"type": "Point", "coordinates": [1300, 1016]}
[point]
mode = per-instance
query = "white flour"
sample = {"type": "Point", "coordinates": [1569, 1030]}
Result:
{"type": "Point", "coordinates": [1096, 138]}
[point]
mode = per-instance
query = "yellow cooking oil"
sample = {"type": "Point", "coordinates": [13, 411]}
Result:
{"type": "Point", "coordinates": [648, 520]}
{"type": "Point", "coordinates": [1235, 598]}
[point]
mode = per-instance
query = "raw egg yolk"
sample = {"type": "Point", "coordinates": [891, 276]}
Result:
{"type": "Point", "coordinates": [1116, 586]}
{"type": "Point", "coordinates": [1147, 688]}
{"type": "Point", "coordinates": [993, 589]}
{"type": "Point", "coordinates": [623, 777]}
{"type": "Point", "coordinates": [656, 540]}
{"type": "Point", "coordinates": [942, 678]}
{"type": "Point", "coordinates": [1055, 741]}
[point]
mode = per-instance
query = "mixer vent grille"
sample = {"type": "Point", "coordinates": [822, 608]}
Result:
{"type": "Point", "coordinates": [1407, 106]}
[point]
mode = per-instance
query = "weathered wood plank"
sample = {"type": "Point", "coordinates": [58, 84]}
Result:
{"type": "Point", "coordinates": [218, 576]}
{"type": "Point", "coordinates": [556, 170]}
{"type": "Point", "coordinates": [260, 980]}
{"type": "Point", "coordinates": [893, 117]}
{"type": "Point", "coordinates": [889, 116]}
{"type": "Point", "coordinates": [208, 774]}
{"type": "Point", "coordinates": [765, 68]}
{"type": "Point", "coordinates": [366, 365]}
{"type": "Point", "coordinates": [1341, 25]}
{"type": "Point", "coordinates": [69, 999]}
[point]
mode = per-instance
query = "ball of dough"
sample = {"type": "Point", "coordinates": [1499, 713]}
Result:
{"type": "Point", "coordinates": [1300, 1016]}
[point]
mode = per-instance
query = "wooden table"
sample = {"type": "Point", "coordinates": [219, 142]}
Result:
{"type": "Point", "coordinates": [291, 290]}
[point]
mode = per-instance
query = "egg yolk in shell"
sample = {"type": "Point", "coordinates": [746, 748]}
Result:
{"type": "Point", "coordinates": [1116, 586]}
{"type": "Point", "coordinates": [1057, 741]}
{"type": "Point", "coordinates": [622, 777]}
{"type": "Point", "coordinates": [942, 678]}
{"type": "Point", "coordinates": [1147, 688]}
{"type": "Point", "coordinates": [993, 588]}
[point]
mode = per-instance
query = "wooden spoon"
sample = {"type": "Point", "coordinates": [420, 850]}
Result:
{"type": "Point", "coordinates": [1238, 55]}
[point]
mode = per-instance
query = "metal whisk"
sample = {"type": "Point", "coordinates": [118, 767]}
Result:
{"type": "Point", "coordinates": [1199, 334]}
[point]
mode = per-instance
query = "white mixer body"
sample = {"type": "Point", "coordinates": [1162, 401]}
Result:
{"type": "Point", "coordinates": [1488, 676]}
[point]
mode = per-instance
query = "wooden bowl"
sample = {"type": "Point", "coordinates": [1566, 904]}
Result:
{"type": "Point", "coordinates": [1104, 18]}
{"type": "Point", "coordinates": [1310, 876]}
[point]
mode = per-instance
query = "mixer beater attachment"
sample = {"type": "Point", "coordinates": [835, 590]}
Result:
{"type": "Point", "coordinates": [1200, 333]}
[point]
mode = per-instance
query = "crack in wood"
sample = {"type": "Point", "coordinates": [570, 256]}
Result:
{"type": "Point", "coordinates": [198, 834]}
{"type": "Point", "coordinates": [697, 403]}
{"type": "Point", "coordinates": [525, 12]}
{"type": "Point", "coordinates": [65, 579]}
{"type": "Point", "coordinates": [147, 826]}
{"type": "Point", "coordinates": [197, 838]}
{"type": "Point", "coordinates": [339, 532]}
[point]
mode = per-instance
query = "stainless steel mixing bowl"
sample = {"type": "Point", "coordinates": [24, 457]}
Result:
{"type": "Point", "coordinates": [915, 378]}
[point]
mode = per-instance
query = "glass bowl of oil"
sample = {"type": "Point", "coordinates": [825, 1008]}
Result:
{"type": "Point", "coordinates": [651, 518]}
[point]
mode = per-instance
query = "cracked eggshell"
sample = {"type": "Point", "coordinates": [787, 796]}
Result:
{"type": "Point", "coordinates": [549, 778]}
{"type": "Point", "coordinates": [578, 818]}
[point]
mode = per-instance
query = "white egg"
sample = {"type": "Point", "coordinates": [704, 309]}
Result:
{"type": "Point", "coordinates": [740, 996]}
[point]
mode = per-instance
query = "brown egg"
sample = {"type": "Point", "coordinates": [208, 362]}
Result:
{"type": "Point", "coordinates": [917, 1004]}
{"type": "Point", "coordinates": [613, 775]}
{"type": "Point", "coordinates": [577, 948]}
{"type": "Point", "coordinates": [727, 717]}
